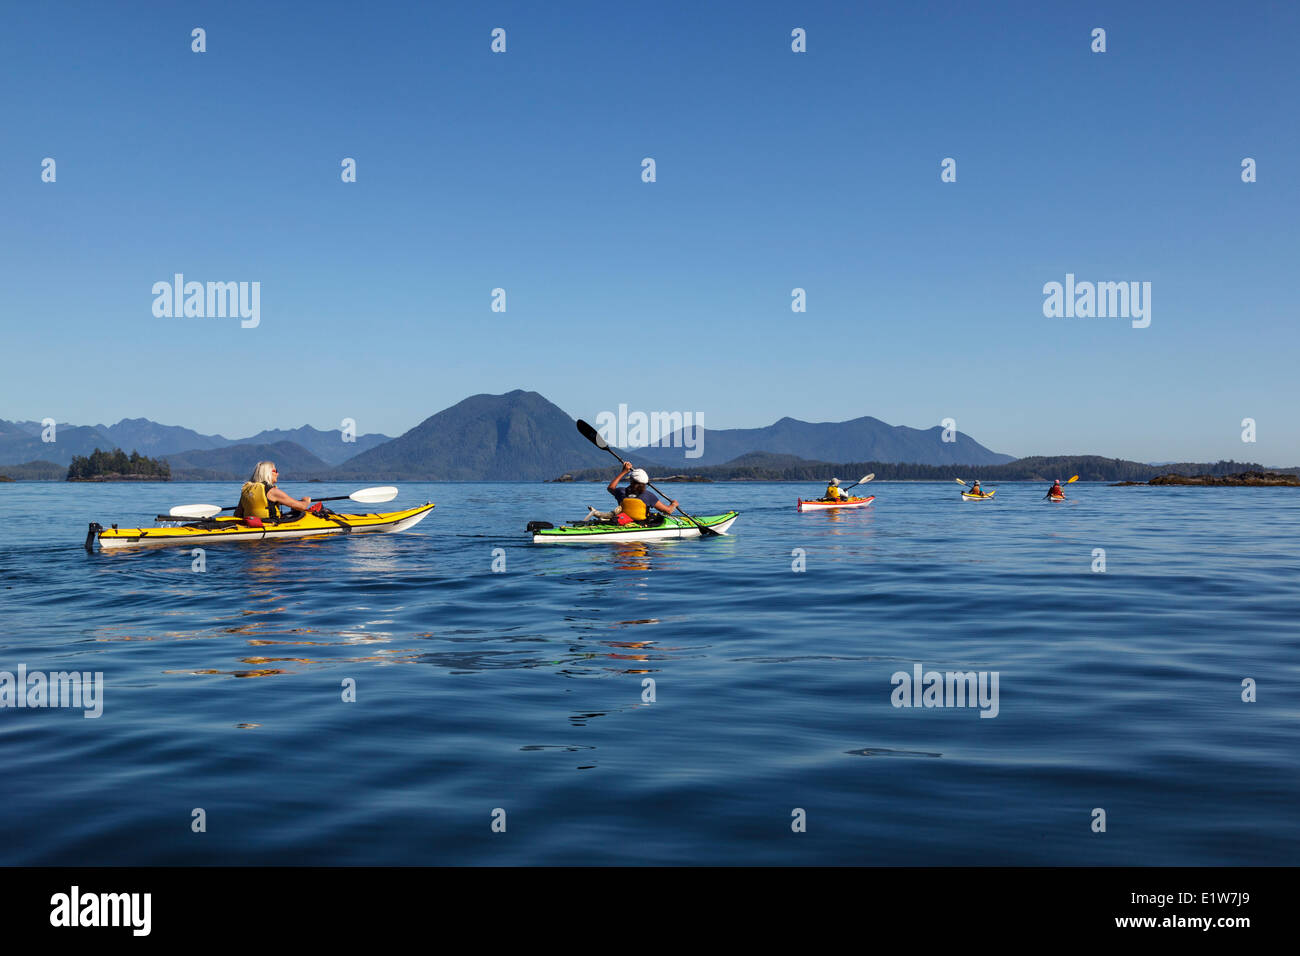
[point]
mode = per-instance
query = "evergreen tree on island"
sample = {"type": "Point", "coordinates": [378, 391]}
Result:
{"type": "Point", "coordinates": [117, 465]}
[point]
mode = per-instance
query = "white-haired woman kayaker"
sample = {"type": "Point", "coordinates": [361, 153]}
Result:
{"type": "Point", "coordinates": [260, 498]}
{"type": "Point", "coordinates": [637, 499]}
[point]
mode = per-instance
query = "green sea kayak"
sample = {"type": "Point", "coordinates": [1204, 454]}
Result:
{"type": "Point", "coordinates": [672, 526]}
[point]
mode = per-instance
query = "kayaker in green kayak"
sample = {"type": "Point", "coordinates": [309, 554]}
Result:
{"type": "Point", "coordinates": [636, 500]}
{"type": "Point", "coordinates": [260, 498]}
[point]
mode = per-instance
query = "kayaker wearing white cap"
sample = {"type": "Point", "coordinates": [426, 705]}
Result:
{"type": "Point", "coordinates": [259, 497]}
{"type": "Point", "coordinates": [833, 492]}
{"type": "Point", "coordinates": [637, 499]}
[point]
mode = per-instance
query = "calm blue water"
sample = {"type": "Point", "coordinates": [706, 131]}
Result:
{"type": "Point", "coordinates": [523, 690]}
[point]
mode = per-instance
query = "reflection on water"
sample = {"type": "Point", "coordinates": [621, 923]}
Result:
{"type": "Point", "coordinates": [481, 689]}
{"type": "Point", "coordinates": [633, 556]}
{"type": "Point", "coordinates": [886, 752]}
{"type": "Point", "coordinates": [255, 673]}
{"type": "Point", "coordinates": [857, 522]}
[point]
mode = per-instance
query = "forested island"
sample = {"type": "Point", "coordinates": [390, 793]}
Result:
{"type": "Point", "coordinates": [117, 465]}
{"type": "Point", "coordinates": [763, 466]}
{"type": "Point", "coordinates": [1244, 479]}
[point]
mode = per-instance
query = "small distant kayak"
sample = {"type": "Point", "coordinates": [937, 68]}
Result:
{"type": "Point", "coordinates": [1056, 497]}
{"type": "Point", "coordinates": [969, 497]}
{"type": "Point", "coordinates": [671, 527]}
{"type": "Point", "coordinates": [821, 504]}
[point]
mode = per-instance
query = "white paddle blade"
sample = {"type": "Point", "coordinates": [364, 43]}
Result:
{"type": "Point", "coordinates": [374, 496]}
{"type": "Point", "coordinates": [195, 511]}
{"type": "Point", "coordinates": [867, 478]}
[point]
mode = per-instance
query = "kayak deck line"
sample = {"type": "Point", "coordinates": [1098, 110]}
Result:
{"type": "Point", "coordinates": [190, 531]}
{"type": "Point", "coordinates": [672, 528]}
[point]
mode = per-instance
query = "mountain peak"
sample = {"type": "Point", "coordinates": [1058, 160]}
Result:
{"type": "Point", "coordinates": [858, 439]}
{"type": "Point", "coordinates": [516, 436]}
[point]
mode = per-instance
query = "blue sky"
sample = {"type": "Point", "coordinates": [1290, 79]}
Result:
{"type": "Point", "coordinates": [775, 170]}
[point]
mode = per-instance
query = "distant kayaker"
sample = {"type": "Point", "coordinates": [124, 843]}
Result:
{"type": "Point", "coordinates": [1056, 491]}
{"type": "Point", "coordinates": [637, 499]}
{"type": "Point", "coordinates": [975, 489]}
{"type": "Point", "coordinates": [260, 498]}
{"type": "Point", "coordinates": [833, 492]}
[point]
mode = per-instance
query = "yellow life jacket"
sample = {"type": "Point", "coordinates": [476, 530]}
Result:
{"type": "Point", "coordinates": [833, 492]}
{"type": "Point", "coordinates": [634, 508]}
{"type": "Point", "coordinates": [253, 502]}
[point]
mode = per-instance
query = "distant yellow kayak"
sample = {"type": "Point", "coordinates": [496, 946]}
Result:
{"type": "Point", "coordinates": [969, 497]}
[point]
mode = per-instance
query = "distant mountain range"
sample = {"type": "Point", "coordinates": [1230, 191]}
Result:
{"type": "Point", "coordinates": [237, 461]}
{"type": "Point", "coordinates": [520, 436]}
{"type": "Point", "coordinates": [21, 441]}
{"type": "Point", "coordinates": [859, 439]}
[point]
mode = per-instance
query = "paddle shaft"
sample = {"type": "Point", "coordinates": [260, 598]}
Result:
{"type": "Point", "coordinates": [210, 517]}
{"type": "Point", "coordinates": [331, 498]}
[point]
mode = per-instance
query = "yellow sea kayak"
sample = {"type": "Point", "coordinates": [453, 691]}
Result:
{"type": "Point", "coordinates": [193, 532]}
